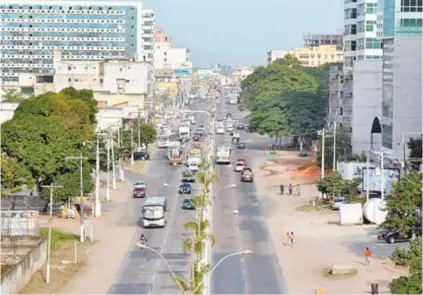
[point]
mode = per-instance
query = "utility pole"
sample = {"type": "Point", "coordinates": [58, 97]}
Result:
{"type": "Point", "coordinates": [132, 145]}
{"type": "Point", "coordinates": [334, 147]}
{"type": "Point", "coordinates": [97, 204]}
{"type": "Point", "coordinates": [139, 129]}
{"type": "Point", "coordinates": [367, 176]}
{"type": "Point", "coordinates": [50, 222]}
{"type": "Point", "coordinates": [108, 168]}
{"type": "Point", "coordinates": [322, 165]}
{"type": "Point", "coordinates": [112, 146]}
{"type": "Point", "coordinates": [382, 175]}
{"type": "Point", "coordinates": [120, 154]}
{"type": "Point", "coordinates": [81, 179]}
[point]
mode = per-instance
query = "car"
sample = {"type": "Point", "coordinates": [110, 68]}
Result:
{"type": "Point", "coordinates": [230, 128]}
{"type": "Point", "coordinates": [185, 188]}
{"type": "Point", "coordinates": [228, 115]}
{"type": "Point", "coordinates": [196, 137]}
{"type": "Point", "coordinates": [243, 160]}
{"type": "Point", "coordinates": [140, 184]}
{"type": "Point", "coordinates": [193, 167]}
{"type": "Point", "coordinates": [139, 192]}
{"type": "Point", "coordinates": [247, 175]}
{"type": "Point", "coordinates": [188, 204]}
{"type": "Point", "coordinates": [187, 176]}
{"type": "Point", "coordinates": [338, 201]}
{"type": "Point", "coordinates": [240, 126]}
{"type": "Point", "coordinates": [201, 129]}
{"type": "Point", "coordinates": [239, 166]}
{"type": "Point", "coordinates": [241, 146]}
{"type": "Point", "coordinates": [394, 236]}
{"type": "Point", "coordinates": [141, 155]}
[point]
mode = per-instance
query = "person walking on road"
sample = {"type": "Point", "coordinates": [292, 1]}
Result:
{"type": "Point", "coordinates": [282, 188]}
{"type": "Point", "coordinates": [288, 239]}
{"type": "Point", "coordinates": [292, 239]}
{"type": "Point", "coordinates": [367, 254]}
{"type": "Point", "coordinates": [298, 190]}
{"type": "Point", "coordinates": [290, 188]}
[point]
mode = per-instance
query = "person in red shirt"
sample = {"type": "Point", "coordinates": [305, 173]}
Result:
{"type": "Point", "coordinates": [367, 254]}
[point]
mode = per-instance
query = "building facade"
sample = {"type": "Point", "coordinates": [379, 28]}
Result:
{"type": "Point", "coordinates": [148, 26]}
{"type": "Point", "coordinates": [166, 56]}
{"type": "Point", "coordinates": [309, 56]}
{"type": "Point", "coordinates": [311, 40]}
{"type": "Point", "coordinates": [402, 75]}
{"type": "Point", "coordinates": [82, 30]}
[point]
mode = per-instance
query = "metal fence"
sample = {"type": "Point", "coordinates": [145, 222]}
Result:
{"type": "Point", "coordinates": [20, 223]}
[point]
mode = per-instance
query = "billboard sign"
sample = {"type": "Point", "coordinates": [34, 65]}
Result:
{"type": "Point", "coordinates": [375, 179]}
{"type": "Point", "coordinates": [182, 72]}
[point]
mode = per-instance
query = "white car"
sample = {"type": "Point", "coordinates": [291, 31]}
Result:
{"type": "Point", "coordinates": [230, 128]}
{"type": "Point", "coordinates": [193, 167]}
{"type": "Point", "coordinates": [239, 166]}
{"type": "Point", "coordinates": [162, 144]}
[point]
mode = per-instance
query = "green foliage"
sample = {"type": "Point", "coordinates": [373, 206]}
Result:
{"type": "Point", "coordinates": [412, 258]}
{"type": "Point", "coordinates": [14, 176]}
{"type": "Point", "coordinates": [13, 96]}
{"type": "Point", "coordinates": [403, 204]}
{"type": "Point", "coordinates": [45, 130]}
{"type": "Point", "coordinates": [57, 236]}
{"type": "Point", "coordinates": [286, 99]}
{"type": "Point", "coordinates": [334, 185]}
{"type": "Point", "coordinates": [343, 148]}
{"type": "Point", "coordinates": [415, 146]}
{"type": "Point", "coordinates": [148, 133]}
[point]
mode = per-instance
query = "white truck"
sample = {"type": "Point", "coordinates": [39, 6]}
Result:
{"type": "Point", "coordinates": [183, 132]}
{"type": "Point", "coordinates": [223, 155]}
{"type": "Point", "coordinates": [220, 128]}
{"type": "Point", "coordinates": [154, 212]}
{"type": "Point", "coordinates": [233, 100]}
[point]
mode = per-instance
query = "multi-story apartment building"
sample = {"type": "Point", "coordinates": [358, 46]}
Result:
{"type": "Point", "coordinates": [82, 30]}
{"type": "Point", "coordinates": [310, 56]}
{"type": "Point", "coordinates": [242, 73]}
{"type": "Point", "coordinates": [148, 26]}
{"type": "Point", "coordinates": [402, 75]}
{"type": "Point", "coordinates": [310, 40]}
{"type": "Point", "coordinates": [168, 57]}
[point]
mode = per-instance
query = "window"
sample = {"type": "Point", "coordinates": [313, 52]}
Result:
{"type": "Point", "coordinates": [69, 80]}
{"type": "Point", "coordinates": [127, 81]}
{"type": "Point", "coordinates": [69, 68]}
{"type": "Point", "coordinates": [371, 8]}
{"type": "Point", "coordinates": [411, 5]}
{"type": "Point", "coordinates": [341, 111]}
{"type": "Point", "coordinates": [373, 43]}
{"type": "Point", "coordinates": [370, 25]}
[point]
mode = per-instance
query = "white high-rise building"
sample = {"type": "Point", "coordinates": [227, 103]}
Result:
{"type": "Point", "coordinates": [148, 26]}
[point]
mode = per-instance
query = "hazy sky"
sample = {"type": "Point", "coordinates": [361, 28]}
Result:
{"type": "Point", "coordinates": [241, 32]}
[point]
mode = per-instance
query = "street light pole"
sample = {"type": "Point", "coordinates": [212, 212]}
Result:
{"type": "Point", "coordinates": [334, 147]}
{"type": "Point", "coordinates": [51, 187]}
{"type": "Point", "coordinates": [132, 145]}
{"type": "Point", "coordinates": [108, 169]}
{"type": "Point", "coordinates": [322, 164]}
{"type": "Point", "coordinates": [112, 146]}
{"type": "Point", "coordinates": [97, 205]}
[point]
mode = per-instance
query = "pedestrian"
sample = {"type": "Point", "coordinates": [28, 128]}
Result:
{"type": "Point", "coordinates": [282, 187]}
{"type": "Point", "coordinates": [290, 188]}
{"type": "Point", "coordinates": [288, 239]}
{"type": "Point", "coordinates": [367, 254]}
{"type": "Point", "coordinates": [292, 239]}
{"type": "Point", "coordinates": [298, 190]}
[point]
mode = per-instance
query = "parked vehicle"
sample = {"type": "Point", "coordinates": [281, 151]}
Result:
{"type": "Point", "coordinates": [188, 204]}
{"type": "Point", "coordinates": [394, 236]}
{"type": "Point", "coordinates": [247, 175]}
{"type": "Point", "coordinates": [338, 201]}
{"type": "Point", "coordinates": [187, 176]}
{"type": "Point", "coordinates": [141, 155]}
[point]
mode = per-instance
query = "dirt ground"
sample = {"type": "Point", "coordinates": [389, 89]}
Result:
{"type": "Point", "coordinates": [319, 241]}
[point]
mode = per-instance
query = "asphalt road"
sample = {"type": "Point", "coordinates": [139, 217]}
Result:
{"type": "Point", "coordinates": [259, 272]}
{"type": "Point", "coordinates": [143, 271]}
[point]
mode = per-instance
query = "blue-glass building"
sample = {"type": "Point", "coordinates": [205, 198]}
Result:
{"type": "Point", "coordinates": [83, 30]}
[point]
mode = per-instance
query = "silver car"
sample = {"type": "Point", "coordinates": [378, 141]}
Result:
{"type": "Point", "coordinates": [337, 202]}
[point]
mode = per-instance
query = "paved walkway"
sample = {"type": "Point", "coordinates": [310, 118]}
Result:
{"type": "Point", "coordinates": [319, 241]}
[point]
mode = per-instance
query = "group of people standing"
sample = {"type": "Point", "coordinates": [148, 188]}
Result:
{"type": "Point", "coordinates": [290, 189]}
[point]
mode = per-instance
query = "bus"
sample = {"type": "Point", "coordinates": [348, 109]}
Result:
{"type": "Point", "coordinates": [154, 212]}
{"type": "Point", "coordinates": [223, 155]}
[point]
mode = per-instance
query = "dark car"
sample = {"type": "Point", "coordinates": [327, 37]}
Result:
{"type": "Point", "coordinates": [228, 115]}
{"type": "Point", "coordinates": [394, 236]}
{"type": "Point", "coordinates": [241, 146]}
{"type": "Point", "coordinates": [187, 176]}
{"type": "Point", "coordinates": [196, 137]}
{"type": "Point", "coordinates": [141, 156]}
{"type": "Point", "coordinates": [185, 188]}
{"type": "Point", "coordinates": [188, 204]}
{"type": "Point", "coordinates": [240, 127]}
{"type": "Point", "coordinates": [139, 192]}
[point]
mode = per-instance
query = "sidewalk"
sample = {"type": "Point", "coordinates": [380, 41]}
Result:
{"type": "Point", "coordinates": [319, 242]}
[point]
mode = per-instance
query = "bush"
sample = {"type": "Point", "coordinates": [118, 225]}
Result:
{"type": "Point", "coordinates": [57, 236]}
{"type": "Point", "coordinates": [400, 257]}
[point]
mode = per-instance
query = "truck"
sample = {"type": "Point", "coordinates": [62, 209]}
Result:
{"type": "Point", "coordinates": [183, 132]}
{"type": "Point", "coordinates": [194, 156]}
{"type": "Point", "coordinates": [154, 212]}
{"type": "Point", "coordinates": [174, 155]}
{"type": "Point", "coordinates": [220, 128]}
{"type": "Point", "coordinates": [223, 155]}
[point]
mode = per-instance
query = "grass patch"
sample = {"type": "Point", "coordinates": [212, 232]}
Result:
{"type": "Point", "coordinates": [327, 273]}
{"type": "Point", "coordinates": [320, 205]}
{"type": "Point", "coordinates": [63, 266]}
{"type": "Point", "coordinates": [57, 236]}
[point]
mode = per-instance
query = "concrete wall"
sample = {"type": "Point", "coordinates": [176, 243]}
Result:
{"type": "Point", "coordinates": [20, 274]}
{"type": "Point", "coordinates": [366, 103]}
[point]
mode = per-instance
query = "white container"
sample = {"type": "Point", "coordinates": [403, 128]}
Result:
{"type": "Point", "coordinates": [351, 214]}
{"type": "Point", "coordinates": [374, 211]}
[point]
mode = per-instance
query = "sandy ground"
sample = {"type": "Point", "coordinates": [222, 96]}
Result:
{"type": "Point", "coordinates": [319, 242]}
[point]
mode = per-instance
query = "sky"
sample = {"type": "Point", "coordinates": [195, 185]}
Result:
{"type": "Point", "coordinates": [241, 32]}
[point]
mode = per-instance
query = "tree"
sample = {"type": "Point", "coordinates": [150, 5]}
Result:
{"type": "Point", "coordinates": [343, 148]}
{"type": "Point", "coordinates": [14, 175]}
{"type": "Point", "coordinates": [44, 131]}
{"type": "Point", "coordinates": [331, 184]}
{"type": "Point", "coordinates": [148, 133]}
{"type": "Point", "coordinates": [288, 60]}
{"type": "Point", "coordinates": [415, 146]}
{"type": "Point", "coordinates": [412, 258]}
{"type": "Point", "coordinates": [13, 96]}
{"type": "Point", "coordinates": [404, 203]}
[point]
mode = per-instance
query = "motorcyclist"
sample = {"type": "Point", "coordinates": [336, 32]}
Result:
{"type": "Point", "coordinates": [143, 239]}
